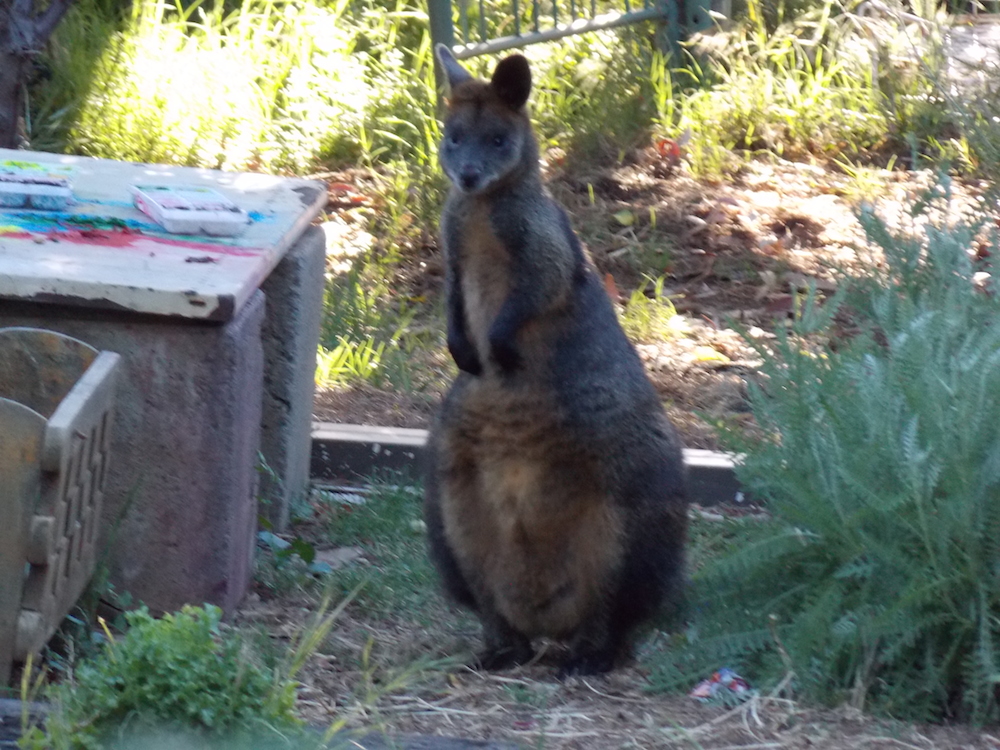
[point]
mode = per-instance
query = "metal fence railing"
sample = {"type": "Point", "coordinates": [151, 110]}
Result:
{"type": "Point", "coordinates": [470, 27]}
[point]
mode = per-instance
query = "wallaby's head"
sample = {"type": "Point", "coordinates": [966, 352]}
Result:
{"type": "Point", "coordinates": [487, 133]}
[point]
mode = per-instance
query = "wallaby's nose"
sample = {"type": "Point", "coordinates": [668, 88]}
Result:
{"type": "Point", "coordinates": [469, 177]}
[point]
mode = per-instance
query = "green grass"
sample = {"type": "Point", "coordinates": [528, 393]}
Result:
{"type": "Point", "coordinates": [784, 91]}
{"type": "Point", "coordinates": [264, 86]}
{"type": "Point", "coordinates": [650, 316]}
{"type": "Point", "coordinates": [388, 526]}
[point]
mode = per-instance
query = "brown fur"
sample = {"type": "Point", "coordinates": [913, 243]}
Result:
{"type": "Point", "coordinates": [541, 540]}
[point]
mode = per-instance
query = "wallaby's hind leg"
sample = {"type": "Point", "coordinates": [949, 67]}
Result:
{"type": "Point", "coordinates": [651, 573]}
{"type": "Point", "coordinates": [441, 553]}
{"type": "Point", "coordinates": [597, 648]}
{"type": "Point", "coordinates": [504, 647]}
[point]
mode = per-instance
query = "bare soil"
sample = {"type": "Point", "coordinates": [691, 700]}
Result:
{"type": "Point", "coordinates": [362, 676]}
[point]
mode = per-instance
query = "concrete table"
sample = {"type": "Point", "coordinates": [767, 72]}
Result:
{"type": "Point", "coordinates": [218, 338]}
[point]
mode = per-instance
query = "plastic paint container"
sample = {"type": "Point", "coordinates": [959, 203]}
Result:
{"type": "Point", "coordinates": [190, 210]}
{"type": "Point", "coordinates": [20, 190]}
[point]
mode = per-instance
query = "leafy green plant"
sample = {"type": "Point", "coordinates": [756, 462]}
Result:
{"type": "Point", "coordinates": [349, 361]}
{"type": "Point", "coordinates": [650, 316]}
{"type": "Point", "coordinates": [184, 672]}
{"type": "Point", "coordinates": [877, 580]}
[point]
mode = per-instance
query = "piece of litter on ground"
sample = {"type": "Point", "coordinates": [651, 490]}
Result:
{"type": "Point", "coordinates": [343, 496]}
{"type": "Point", "coordinates": [338, 557]}
{"type": "Point", "coordinates": [723, 680]}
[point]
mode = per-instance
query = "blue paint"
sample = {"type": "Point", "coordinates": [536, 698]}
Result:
{"type": "Point", "coordinates": [116, 204]}
{"type": "Point", "coordinates": [54, 221]}
{"type": "Point", "coordinates": [44, 222]}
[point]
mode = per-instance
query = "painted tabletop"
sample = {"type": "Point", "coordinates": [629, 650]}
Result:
{"type": "Point", "coordinates": [103, 252]}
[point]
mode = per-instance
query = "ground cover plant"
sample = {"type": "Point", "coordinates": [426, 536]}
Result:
{"type": "Point", "coordinates": [181, 673]}
{"type": "Point", "coordinates": [185, 679]}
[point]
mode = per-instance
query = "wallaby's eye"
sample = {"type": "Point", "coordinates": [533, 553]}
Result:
{"type": "Point", "coordinates": [453, 139]}
{"type": "Point", "coordinates": [499, 141]}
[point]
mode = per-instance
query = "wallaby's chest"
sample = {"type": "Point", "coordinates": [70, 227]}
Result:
{"type": "Point", "coordinates": [484, 272]}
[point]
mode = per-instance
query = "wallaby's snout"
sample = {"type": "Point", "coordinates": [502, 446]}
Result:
{"type": "Point", "coordinates": [469, 177]}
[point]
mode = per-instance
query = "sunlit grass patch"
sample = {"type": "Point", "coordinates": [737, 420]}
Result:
{"type": "Point", "coordinates": [268, 85]}
{"type": "Point", "coordinates": [650, 316]}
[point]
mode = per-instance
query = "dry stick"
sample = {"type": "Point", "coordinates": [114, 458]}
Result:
{"type": "Point", "coordinates": [750, 709]}
{"type": "Point", "coordinates": [772, 624]}
{"type": "Point", "coordinates": [622, 698]}
{"type": "Point", "coordinates": [712, 722]}
{"type": "Point", "coordinates": [538, 655]}
{"type": "Point", "coordinates": [868, 740]}
{"type": "Point", "coordinates": [780, 687]}
{"type": "Point", "coordinates": [742, 709]}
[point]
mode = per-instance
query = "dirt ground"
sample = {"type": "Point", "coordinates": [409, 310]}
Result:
{"type": "Point", "coordinates": [360, 676]}
{"type": "Point", "coordinates": [738, 251]}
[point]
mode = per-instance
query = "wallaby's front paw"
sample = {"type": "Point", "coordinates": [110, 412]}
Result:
{"type": "Point", "coordinates": [470, 365]}
{"type": "Point", "coordinates": [466, 359]}
{"type": "Point", "coordinates": [505, 355]}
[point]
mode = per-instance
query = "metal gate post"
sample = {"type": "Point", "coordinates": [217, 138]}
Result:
{"type": "Point", "coordinates": [668, 31]}
{"type": "Point", "coordinates": [442, 32]}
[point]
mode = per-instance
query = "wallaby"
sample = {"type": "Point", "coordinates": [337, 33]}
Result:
{"type": "Point", "coordinates": [555, 501]}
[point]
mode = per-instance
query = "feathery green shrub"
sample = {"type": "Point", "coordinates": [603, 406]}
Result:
{"type": "Point", "coordinates": [878, 580]}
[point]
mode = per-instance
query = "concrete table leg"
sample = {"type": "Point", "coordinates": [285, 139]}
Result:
{"type": "Point", "coordinates": [182, 479]}
{"type": "Point", "coordinates": [294, 293]}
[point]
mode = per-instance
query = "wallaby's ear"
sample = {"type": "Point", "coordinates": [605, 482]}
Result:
{"type": "Point", "coordinates": [452, 69]}
{"type": "Point", "coordinates": [512, 81]}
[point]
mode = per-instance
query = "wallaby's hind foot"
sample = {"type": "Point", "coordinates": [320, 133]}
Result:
{"type": "Point", "coordinates": [583, 665]}
{"type": "Point", "coordinates": [503, 657]}
{"type": "Point", "coordinates": [595, 650]}
{"type": "Point", "coordinates": [505, 647]}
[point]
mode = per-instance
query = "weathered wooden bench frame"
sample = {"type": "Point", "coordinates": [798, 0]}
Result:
{"type": "Point", "coordinates": [56, 400]}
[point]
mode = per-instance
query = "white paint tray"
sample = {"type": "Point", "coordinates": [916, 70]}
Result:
{"type": "Point", "coordinates": [24, 189]}
{"type": "Point", "coordinates": [190, 210]}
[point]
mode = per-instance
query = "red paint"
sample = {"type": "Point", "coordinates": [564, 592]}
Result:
{"type": "Point", "coordinates": [128, 238]}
